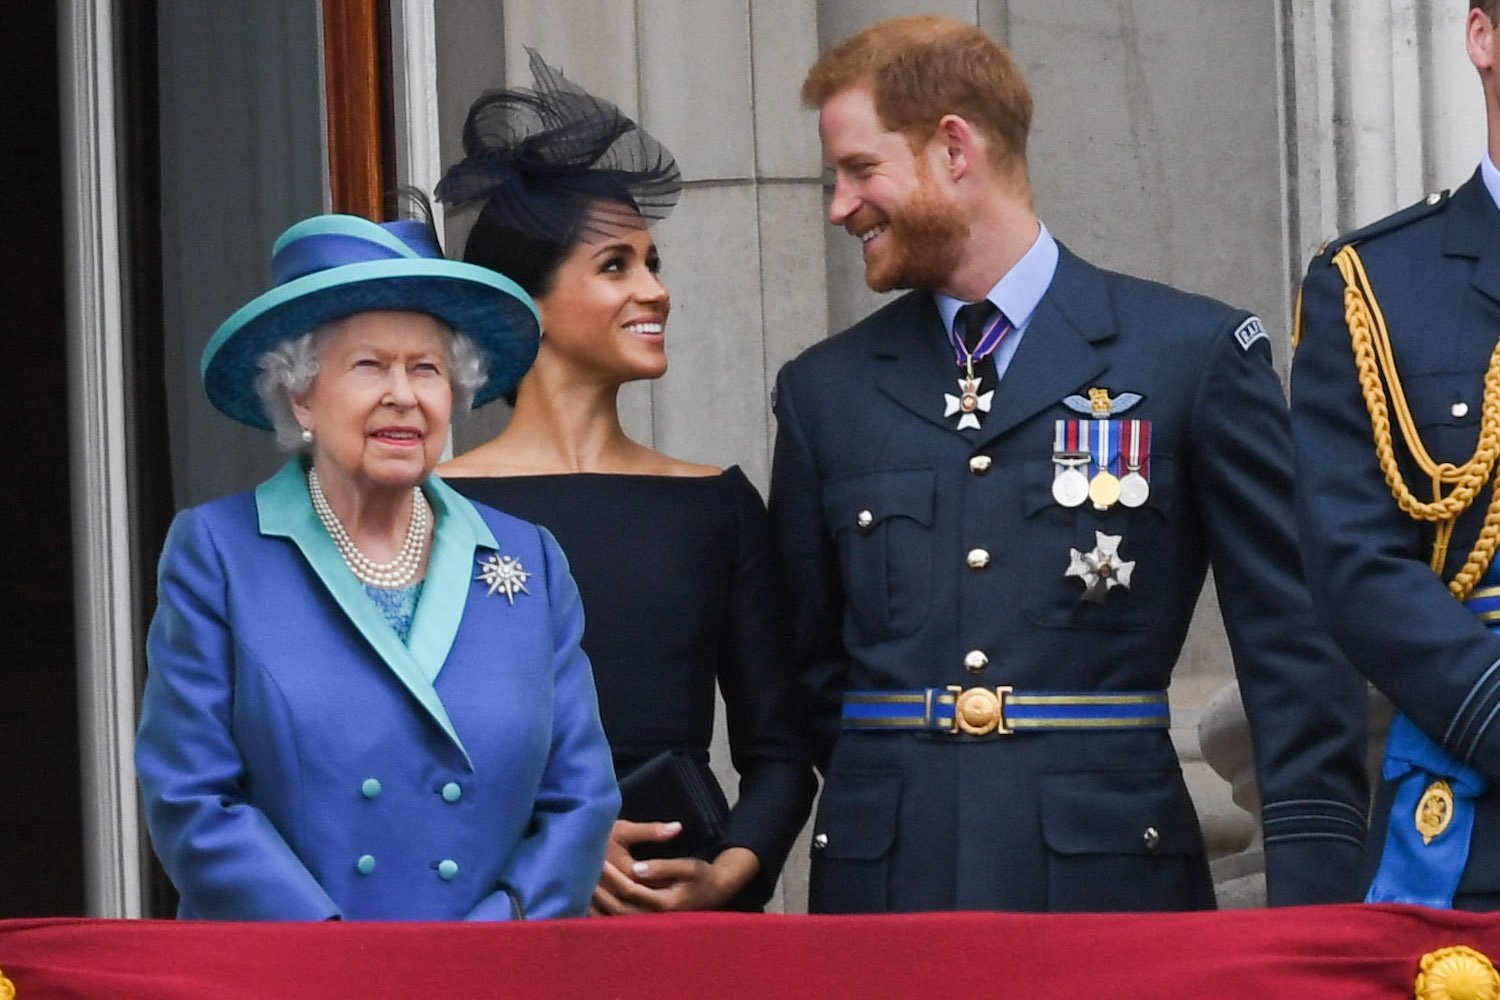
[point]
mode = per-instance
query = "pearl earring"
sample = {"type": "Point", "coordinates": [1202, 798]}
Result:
{"type": "Point", "coordinates": [307, 437]}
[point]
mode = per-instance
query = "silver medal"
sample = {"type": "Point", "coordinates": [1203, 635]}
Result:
{"type": "Point", "coordinates": [1134, 489]}
{"type": "Point", "coordinates": [1070, 487]}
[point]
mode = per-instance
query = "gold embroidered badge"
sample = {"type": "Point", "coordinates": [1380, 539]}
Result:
{"type": "Point", "coordinates": [1434, 811]}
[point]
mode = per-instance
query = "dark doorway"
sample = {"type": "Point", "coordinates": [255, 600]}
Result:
{"type": "Point", "coordinates": [41, 851]}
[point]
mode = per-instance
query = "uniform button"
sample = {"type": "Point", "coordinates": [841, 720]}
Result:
{"type": "Point", "coordinates": [366, 864]}
{"type": "Point", "coordinates": [447, 869]}
{"type": "Point", "coordinates": [820, 841]}
{"type": "Point", "coordinates": [370, 788]}
{"type": "Point", "coordinates": [1151, 838]}
{"type": "Point", "coordinates": [980, 464]}
{"type": "Point", "coordinates": [864, 519]}
{"type": "Point", "coordinates": [1459, 409]}
{"type": "Point", "coordinates": [1434, 198]}
{"type": "Point", "coordinates": [975, 661]}
{"type": "Point", "coordinates": [451, 792]}
{"type": "Point", "coordinates": [978, 559]}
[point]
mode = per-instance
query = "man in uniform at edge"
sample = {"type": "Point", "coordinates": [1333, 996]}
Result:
{"type": "Point", "coordinates": [992, 582]}
{"type": "Point", "coordinates": [1403, 572]}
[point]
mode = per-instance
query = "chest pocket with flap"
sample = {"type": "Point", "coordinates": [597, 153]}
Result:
{"type": "Point", "coordinates": [881, 522]}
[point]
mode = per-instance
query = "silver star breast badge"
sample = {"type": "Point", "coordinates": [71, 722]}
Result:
{"type": "Point", "coordinates": [968, 404]}
{"type": "Point", "coordinates": [1100, 570]}
{"type": "Point", "coordinates": [504, 575]}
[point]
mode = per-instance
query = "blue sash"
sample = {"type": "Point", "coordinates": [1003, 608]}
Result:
{"type": "Point", "coordinates": [1411, 870]}
{"type": "Point", "coordinates": [1416, 867]}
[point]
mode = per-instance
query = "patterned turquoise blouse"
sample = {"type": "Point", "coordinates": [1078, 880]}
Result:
{"type": "Point", "coordinates": [398, 606]}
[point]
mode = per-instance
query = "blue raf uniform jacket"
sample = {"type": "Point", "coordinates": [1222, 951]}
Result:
{"type": "Point", "coordinates": [300, 763]}
{"type": "Point", "coordinates": [1435, 273]}
{"type": "Point", "coordinates": [1052, 820]}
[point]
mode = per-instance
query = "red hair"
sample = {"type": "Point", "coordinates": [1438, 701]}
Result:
{"type": "Point", "coordinates": [919, 69]}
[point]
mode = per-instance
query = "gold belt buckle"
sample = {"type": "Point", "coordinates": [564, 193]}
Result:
{"type": "Point", "coordinates": [980, 711]}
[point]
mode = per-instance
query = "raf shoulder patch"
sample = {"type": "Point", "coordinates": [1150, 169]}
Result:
{"type": "Point", "coordinates": [1249, 332]}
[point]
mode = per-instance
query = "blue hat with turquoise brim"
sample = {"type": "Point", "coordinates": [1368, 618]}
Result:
{"type": "Point", "coordinates": [332, 266]}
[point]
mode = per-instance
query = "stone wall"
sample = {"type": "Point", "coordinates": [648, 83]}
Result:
{"type": "Point", "coordinates": [1206, 144]}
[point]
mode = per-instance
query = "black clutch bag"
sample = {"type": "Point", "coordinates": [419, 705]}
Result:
{"type": "Point", "coordinates": [673, 785]}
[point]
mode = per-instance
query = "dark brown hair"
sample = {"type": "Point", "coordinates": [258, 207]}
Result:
{"type": "Point", "coordinates": [919, 69]}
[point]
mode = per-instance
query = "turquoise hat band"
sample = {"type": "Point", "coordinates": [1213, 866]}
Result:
{"type": "Point", "coordinates": [352, 274]}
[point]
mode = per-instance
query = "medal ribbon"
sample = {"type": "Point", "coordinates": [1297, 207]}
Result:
{"type": "Point", "coordinates": [994, 332]}
{"type": "Point", "coordinates": [1136, 445]}
{"type": "Point", "coordinates": [1104, 445]}
{"type": "Point", "coordinates": [1069, 437]}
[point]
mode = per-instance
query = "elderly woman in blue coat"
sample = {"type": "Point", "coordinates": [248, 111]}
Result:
{"type": "Point", "coordinates": [366, 696]}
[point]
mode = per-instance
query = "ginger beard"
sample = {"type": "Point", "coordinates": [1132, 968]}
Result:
{"type": "Point", "coordinates": [924, 244]}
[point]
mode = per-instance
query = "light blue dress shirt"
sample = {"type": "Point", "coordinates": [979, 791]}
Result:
{"type": "Point", "coordinates": [1016, 295]}
{"type": "Point", "coordinates": [1491, 175]}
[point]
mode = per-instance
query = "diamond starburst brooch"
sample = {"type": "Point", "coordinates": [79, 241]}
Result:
{"type": "Point", "coordinates": [504, 575]}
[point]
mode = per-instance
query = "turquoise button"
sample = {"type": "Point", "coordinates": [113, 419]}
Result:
{"type": "Point", "coordinates": [451, 792]}
{"type": "Point", "coordinates": [370, 789]}
{"type": "Point", "coordinates": [366, 864]}
{"type": "Point", "coordinates": [447, 869]}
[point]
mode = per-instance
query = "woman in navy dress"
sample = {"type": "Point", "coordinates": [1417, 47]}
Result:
{"type": "Point", "coordinates": [673, 558]}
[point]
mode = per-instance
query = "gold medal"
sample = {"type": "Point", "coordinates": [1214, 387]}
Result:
{"type": "Point", "coordinates": [1434, 811]}
{"type": "Point", "coordinates": [1104, 490]}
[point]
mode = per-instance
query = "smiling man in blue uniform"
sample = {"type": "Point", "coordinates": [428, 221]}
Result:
{"type": "Point", "coordinates": [997, 498]}
{"type": "Point", "coordinates": [1396, 420]}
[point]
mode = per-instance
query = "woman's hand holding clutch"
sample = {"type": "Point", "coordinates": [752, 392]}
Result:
{"type": "Point", "coordinates": [629, 886]}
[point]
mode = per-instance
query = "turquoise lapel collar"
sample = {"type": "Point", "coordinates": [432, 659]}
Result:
{"type": "Point", "coordinates": [450, 574]}
{"type": "Point", "coordinates": [286, 511]}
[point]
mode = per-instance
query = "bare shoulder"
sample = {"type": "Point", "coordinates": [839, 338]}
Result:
{"type": "Point", "coordinates": [477, 464]}
{"type": "Point", "coordinates": [665, 465]}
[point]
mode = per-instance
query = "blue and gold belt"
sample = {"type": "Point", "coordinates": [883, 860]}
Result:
{"type": "Point", "coordinates": [982, 711]}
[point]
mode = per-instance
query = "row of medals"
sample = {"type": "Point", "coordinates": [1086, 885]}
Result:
{"type": "Point", "coordinates": [1072, 485]}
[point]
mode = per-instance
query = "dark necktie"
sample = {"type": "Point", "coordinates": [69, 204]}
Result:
{"type": "Point", "coordinates": [972, 320]}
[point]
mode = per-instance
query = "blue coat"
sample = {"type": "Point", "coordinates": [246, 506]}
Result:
{"type": "Point", "coordinates": [878, 500]}
{"type": "Point", "coordinates": [1435, 272]}
{"type": "Point", "coordinates": [299, 762]}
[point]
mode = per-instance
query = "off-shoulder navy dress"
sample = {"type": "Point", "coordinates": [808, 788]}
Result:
{"type": "Point", "coordinates": [680, 589]}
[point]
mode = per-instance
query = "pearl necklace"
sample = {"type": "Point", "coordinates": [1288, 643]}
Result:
{"type": "Point", "coordinates": [397, 573]}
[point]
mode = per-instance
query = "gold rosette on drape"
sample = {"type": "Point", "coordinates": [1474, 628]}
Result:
{"type": "Point", "coordinates": [1457, 973]}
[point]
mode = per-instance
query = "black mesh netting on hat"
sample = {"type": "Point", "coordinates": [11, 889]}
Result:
{"type": "Point", "coordinates": [548, 160]}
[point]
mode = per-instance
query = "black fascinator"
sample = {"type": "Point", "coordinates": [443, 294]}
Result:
{"type": "Point", "coordinates": [547, 162]}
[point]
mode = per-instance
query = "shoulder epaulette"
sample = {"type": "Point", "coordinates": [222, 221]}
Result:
{"type": "Point", "coordinates": [1430, 205]}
